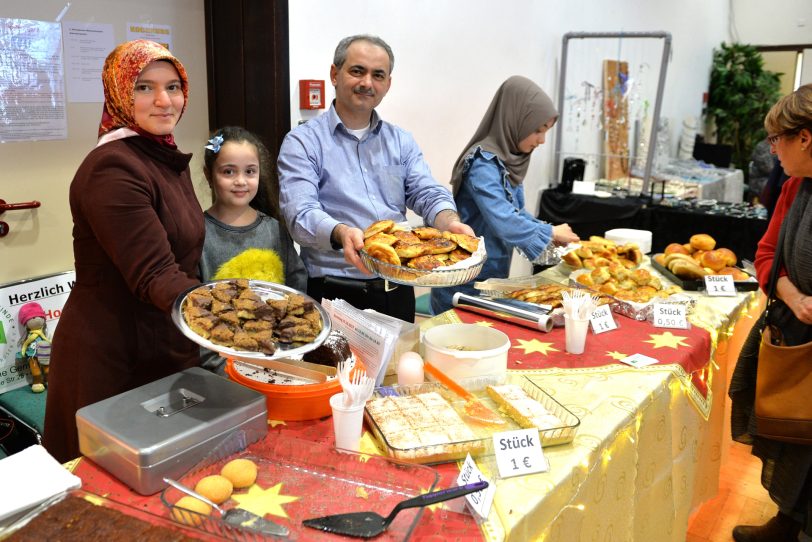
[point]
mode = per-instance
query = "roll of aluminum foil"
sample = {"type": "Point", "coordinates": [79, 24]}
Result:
{"type": "Point", "coordinates": [513, 311]}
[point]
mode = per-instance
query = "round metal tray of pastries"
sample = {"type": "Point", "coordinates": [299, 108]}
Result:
{"type": "Point", "coordinates": [251, 319]}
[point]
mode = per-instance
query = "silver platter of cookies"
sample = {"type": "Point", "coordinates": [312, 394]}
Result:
{"type": "Point", "coordinates": [251, 319]}
{"type": "Point", "coordinates": [422, 256]}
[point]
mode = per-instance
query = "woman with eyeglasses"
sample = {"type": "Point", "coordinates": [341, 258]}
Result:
{"type": "Point", "coordinates": [787, 468]}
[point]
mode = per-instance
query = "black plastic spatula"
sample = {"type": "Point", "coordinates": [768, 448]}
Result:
{"type": "Point", "coordinates": [370, 524]}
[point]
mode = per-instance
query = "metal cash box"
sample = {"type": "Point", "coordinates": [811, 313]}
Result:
{"type": "Point", "coordinates": [164, 428]}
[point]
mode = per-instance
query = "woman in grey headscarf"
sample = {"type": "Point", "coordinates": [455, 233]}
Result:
{"type": "Point", "coordinates": [487, 182]}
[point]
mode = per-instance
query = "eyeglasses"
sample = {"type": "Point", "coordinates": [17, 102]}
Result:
{"type": "Point", "coordinates": [773, 139]}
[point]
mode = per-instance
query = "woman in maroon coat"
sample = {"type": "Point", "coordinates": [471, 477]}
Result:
{"type": "Point", "coordinates": [137, 237]}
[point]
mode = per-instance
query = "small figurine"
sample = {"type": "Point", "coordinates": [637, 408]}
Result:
{"type": "Point", "coordinates": [35, 347]}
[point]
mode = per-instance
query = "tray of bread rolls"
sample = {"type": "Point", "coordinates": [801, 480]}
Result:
{"type": "Point", "coordinates": [251, 319]}
{"type": "Point", "coordinates": [423, 256]}
{"type": "Point", "coordinates": [687, 264]}
{"type": "Point", "coordinates": [634, 291]}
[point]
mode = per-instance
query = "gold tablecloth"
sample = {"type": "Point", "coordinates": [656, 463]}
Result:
{"type": "Point", "coordinates": [646, 453]}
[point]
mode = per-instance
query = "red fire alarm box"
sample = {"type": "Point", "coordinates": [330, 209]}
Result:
{"type": "Point", "coordinates": [311, 94]}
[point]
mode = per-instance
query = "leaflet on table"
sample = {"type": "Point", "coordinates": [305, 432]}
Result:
{"type": "Point", "coordinates": [373, 342]}
{"type": "Point", "coordinates": [407, 340]}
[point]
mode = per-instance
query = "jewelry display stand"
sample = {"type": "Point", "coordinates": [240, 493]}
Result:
{"type": "Point", "coordinates": [615, 112]}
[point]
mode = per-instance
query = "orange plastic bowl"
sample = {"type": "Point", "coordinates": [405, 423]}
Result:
{"type": "Point", "coordinates": [292, 403]}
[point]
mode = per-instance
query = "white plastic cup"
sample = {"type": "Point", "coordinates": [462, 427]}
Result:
{"type": "Point", "coordinates": [348, 422]}
{"type": "Point", "coordinates": [575, 332]}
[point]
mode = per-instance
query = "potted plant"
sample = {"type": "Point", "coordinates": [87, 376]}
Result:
{"type": "Point", "coordinates": [741, 92]}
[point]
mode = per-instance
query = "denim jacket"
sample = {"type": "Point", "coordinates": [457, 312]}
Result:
{"type": "Point", "coordinates": [494, 208]}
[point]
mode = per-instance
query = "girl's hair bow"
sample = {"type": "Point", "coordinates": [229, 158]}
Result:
{"type": "Point", "coordinates": [214, 144]}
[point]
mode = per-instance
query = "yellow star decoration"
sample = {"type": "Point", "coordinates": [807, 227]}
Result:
{"type": "Point", "coordinates": [368, 447]}
{"type": "Point", "coordinates": [616, 355]}
{"type": "Point", "coordinates": [484, 324]}
{"type": "Point", "coordinates": [274, 423]}
{"type": "Point", "coordinates": [536, 345]}
{"type": "Point", "coordinates": [264, 501]}
{"type": "Point", "coordinates": [667, 339]}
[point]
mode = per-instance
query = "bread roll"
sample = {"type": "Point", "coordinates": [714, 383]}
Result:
{"type": "Point", "coordinates": [383, 252]}
{"type": "Point", "coordinates": [729, 256]}
{"type": "Point", "coordinates": [572, 259]}
{"type": "Point", "coordinates": [675, 248]}
{"type": "Point", "coordinates": [703, 241]}
{"type": "Point", "coordinates": [670, 258]}
{"type": "Point", "coordinates": [687, 270]}
{"type": "Point", "coordinates": [408, 250]}
{"type": "Point", "coordinates": [379, 226]}
{"type": "Point", "coordinates": [241, 472]}
{"type": "Point", "coordinates": [688, 247]}
{"type": "Point", "coordinates": [660, 259]}
{"type": "Point", "coordinates": [737, 273]}
{"type": "Point", "coordinates": [216, 488]}
{"type": "Point", "coordinates": [180, 514]}
{"type": "Point", "coordinates": [713, 260]}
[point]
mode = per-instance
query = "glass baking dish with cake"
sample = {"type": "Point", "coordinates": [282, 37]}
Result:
{"type": "Point", "coordinates": [80, 515]}
{"type": "Point", "coordinates": [429, 424]}
{"type": "Point", "coordinates": [296, 479]}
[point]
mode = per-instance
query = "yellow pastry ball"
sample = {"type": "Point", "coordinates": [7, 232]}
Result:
{"type": "Point", "coordinates": [190, 503]}
{"type": "Point", "coordinates": [241, 472]}
{"type": "Point", "coordinates": [215, 488]}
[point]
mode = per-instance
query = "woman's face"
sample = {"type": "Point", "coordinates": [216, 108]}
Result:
{"type": "Point", "coordinates": [795, 152]}
{"type": "Point", "coordinates": [158, 101]}
{"type": "Point", "coordinates": [535, 139]}
{"type": "Point", "coordinates": [235, 175]}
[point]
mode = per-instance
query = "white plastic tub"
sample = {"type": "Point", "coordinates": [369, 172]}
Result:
{"type": "Point", "coordinates": [466, 350]}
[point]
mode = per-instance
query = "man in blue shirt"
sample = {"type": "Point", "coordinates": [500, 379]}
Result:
{"type": "Point", "coordinates": [346, 169]}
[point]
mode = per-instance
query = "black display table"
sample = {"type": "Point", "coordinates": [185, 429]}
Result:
{"type": "Point", "coordinates": [591, 215]}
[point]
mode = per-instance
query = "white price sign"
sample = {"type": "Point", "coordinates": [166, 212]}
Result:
{"type": "Point", "coordinates": [480, 501]}
{"type": "Point", "coordinates": [639, 360]}
{"type": "Point", "coordinates": [720, 285]}
{"type": "Point", "coordinates": [602, 320]}
{"type": "Point", "coordinates": [519, 452]}
{"type": "Point", "coordinates": [671, 315]}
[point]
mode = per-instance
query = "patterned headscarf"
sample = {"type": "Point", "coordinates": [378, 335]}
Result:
{"type": "Point", "coordinates": [518, 109]}
{"type": "Point", "coordinates": [121, 71]}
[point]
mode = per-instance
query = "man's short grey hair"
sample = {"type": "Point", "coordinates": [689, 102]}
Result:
{"type": "Point", "coordinates": [341, 50]}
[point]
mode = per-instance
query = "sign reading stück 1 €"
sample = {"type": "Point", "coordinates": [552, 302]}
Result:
{"type": "Point", "coordinates": [519, 452]}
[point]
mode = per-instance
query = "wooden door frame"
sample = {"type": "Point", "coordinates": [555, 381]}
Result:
{"type": "Point", "coordinates": [248, 67]}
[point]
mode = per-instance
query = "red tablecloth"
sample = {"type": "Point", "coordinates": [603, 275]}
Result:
{"type": "Point", "coordinates": [532, 349]}
{"type": "Point", "coordinates": [436, 523]}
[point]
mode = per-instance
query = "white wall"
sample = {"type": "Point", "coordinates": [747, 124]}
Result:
{"type": "Point", "coordinates": [451, 55]}
{"type": "Point", "coordinates": [40, 241]}
{"type": "Point", "coordinates": [777, 22]}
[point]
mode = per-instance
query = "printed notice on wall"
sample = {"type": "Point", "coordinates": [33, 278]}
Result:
{"type": "Point", "coordinates": [86, 47]}
{"type": "Point", "coordinates": [50, 292]}
{"type": "Point", "coordinates": [159, 33]}
{"type": "Point", "coordinates": [32, 86]}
